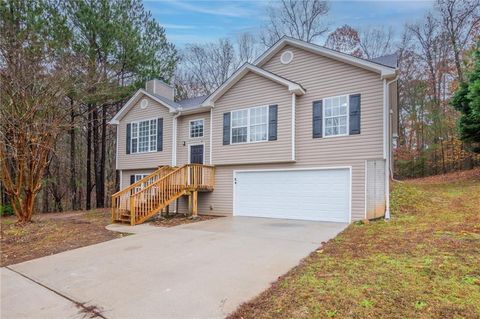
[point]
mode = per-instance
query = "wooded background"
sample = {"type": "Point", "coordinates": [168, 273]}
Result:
{"type": "Point", "coordinates": [110, 48]}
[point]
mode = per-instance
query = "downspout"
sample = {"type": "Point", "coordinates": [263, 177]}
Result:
{"type": "Point", "coordinates": [387, 144]}
{"type": "Point", "coordinates": [293, 124]}
{"type": "Point", "coordinates": [174, 138]}
{"type": "Point", "coordinates": [211, 137]}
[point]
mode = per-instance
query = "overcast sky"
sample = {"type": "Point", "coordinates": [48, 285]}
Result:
{"type": "Point", "coordinates": [203, 21]}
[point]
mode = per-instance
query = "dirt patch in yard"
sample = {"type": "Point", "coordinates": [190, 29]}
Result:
{"type": "Point", "coordinates": [424, 263]}
{"type": "Point", "coordinates": [180, 219]}
{"type": "Point", "coordinates": [52, 233]}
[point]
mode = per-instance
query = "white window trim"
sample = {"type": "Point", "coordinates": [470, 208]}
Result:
{"type": "Point", "coordinates": [248, 125]}
{"type": "Point", "coordinates": [324, 119]}
{"type": "Point", "coordinates": [189, 151]}
{"type": "Point", "coordinates": [131, 138]}
{"type": "Point", "coordinates": [190, 129]}
{"type": "Point", "coordinates": [140, 176]}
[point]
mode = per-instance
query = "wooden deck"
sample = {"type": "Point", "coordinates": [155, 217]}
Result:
{"type": "Point", "coordinates": [145, 198]}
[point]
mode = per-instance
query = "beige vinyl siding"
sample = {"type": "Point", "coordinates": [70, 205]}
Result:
{"type": "Point", "coordinates": [253, 90]}
{"type": "Point", "coordinates": [183, 131]}
{"type": "Point", "coordinates": [321, 77]}
{"type": "Point", "coordinates": [145, 160]}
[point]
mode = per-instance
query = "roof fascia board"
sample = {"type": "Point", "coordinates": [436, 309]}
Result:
{"type": "Point", "coordinates": [116, 119]}
{"type": "Point", "coordinates": [342, 57]}
{"type": "Point", "coordinates": [240, 73]}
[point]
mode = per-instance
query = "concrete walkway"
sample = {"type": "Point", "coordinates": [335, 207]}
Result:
{"type": "Point", "coordinates": [200, 270]}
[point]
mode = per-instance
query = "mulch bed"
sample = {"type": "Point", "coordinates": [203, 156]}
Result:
{"type": "Point", "coordinates": [52, 233]}
{"type": "Point", "coordinates": [180, 219]}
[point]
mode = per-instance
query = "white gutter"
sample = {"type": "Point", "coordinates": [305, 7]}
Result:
{"type": "Point", "coordinates": [174, 138]}
{"type": "Point", "coordinates": [211, 137]}
{"type": "Point", "coordinates": [387, 144]}
{"type": "Point", "coordinates": [293, 124]}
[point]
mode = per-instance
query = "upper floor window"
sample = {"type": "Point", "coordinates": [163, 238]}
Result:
{"type": "Point", "coordinates": [335, 116]}
{"type": "Point", "coordinates": [144, 136]}
{"type": "Point", "coordinates": [196, 128]}
{"type": "Point", "coordinates": [249, 125]}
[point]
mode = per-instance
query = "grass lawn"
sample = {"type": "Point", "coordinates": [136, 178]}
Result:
{"type": "Point", "coordinates": [424, 263]}
{"type": "Point", "coordinates": [53, 233]}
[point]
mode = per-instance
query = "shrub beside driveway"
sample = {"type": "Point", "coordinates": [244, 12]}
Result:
{"type": "Point", "coordinates": [424, 263]}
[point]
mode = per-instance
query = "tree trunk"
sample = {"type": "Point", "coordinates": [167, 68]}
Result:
{"type": "Point", "coordinates": [103, 158]}
{"type": "Point", "coordinates": [73, 172]}
{"type": "Point", "coordinates": [88, 194]}
{"type": "Point", "coordinates": [97, 160]}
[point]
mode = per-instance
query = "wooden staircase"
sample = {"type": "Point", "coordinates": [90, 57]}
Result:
{"type": "Point", "coordinates": [147, 197]}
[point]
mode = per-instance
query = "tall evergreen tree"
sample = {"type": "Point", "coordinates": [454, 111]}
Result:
{"type": "Point", "coordinates": [467, 101]}
{"type": "Point", "coordinates": [119, 45]}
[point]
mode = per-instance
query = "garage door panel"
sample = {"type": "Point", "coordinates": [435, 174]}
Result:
{"type": "Point", "coordinates": [303, 194]}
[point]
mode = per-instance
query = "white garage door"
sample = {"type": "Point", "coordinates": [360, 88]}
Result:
{"type": "Point", "coordinates": [322, 195]}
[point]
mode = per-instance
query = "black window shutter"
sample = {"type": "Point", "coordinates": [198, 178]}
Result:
{"type": "Point", "coordinates": [317, 119]}
{"type": "Point", "coordinates": [129, 136]}
{"type": "Point", "coordinates": [272, 122]}
{"type": "Point", "coordinates": [132, 179]}
{"type": "Point", "coordinates": [159, 134]}
{"type": "Point", "coordinates": [354, 119]}
{"type": "Point", "coordinates": [226, 128]}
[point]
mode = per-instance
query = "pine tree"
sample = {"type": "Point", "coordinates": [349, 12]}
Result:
{"type": "Point", "coordinates": [467, 101]}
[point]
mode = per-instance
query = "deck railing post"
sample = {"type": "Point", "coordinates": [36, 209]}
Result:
{"type": "Point", "coordinates": [132, 210]}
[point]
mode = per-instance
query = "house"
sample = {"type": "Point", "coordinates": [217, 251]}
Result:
{"type": "Point", "coordinates": [304, 132]}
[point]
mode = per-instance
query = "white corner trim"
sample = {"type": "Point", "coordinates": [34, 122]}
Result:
{"type": "Point", "coordinates": [294, 97]}
{"type": "Point", "coordinates": [211, 137]}
{"type": "Point", "coordinates": [241, 72]}
{"type": "Point", "coordinates": [384, 71]}
{"type": "Point", "coordinates": [120, 182]}
{"type": "Point", "coordinates": [387, 144]}
{"type": "Point", "coordinates": [174, 138]}
{"type": "Point", "coordinates": [116, 147]}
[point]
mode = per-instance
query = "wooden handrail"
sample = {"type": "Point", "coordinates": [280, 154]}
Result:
{"type": "Point", "coordinates": [161, 191]}
{"type": "Point", "coordinates": [139, 183]}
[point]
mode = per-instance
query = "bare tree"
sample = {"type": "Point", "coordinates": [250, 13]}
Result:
{"type": "Point", "coordinates": [345, 39]}
{"type": "Point", "coordinates": [301, 19]}
{"type": "Point", "coordinates": [209, 64]}
{"type": "Point", "coordinates": [248, 48]}
{"type": "Point", "coordinates": [34, 79]}
{"type": "Point", "coordinates": [459, 19]}
{"type": "Point", "coordinates": [376, 41]}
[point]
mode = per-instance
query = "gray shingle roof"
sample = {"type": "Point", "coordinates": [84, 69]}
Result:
{"type": "Point", "coordinates": [167, 101]}
{"type": "Point", "coordinates": [390, 60]}
{"type": "Point", "coordinates": [192, 102]}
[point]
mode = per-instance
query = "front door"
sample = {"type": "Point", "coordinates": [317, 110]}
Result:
{"type": "Point", "coordinates": [196, 154]}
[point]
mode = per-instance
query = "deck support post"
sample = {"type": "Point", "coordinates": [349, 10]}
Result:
{"type": "Point", "coordinates": [194, 204]}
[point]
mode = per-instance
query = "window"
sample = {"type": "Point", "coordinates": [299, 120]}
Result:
{"type": "Point", "coordinates": [144, 136]}
{"type": "Point", "coordinates": [139, 177]}
{"type": "Point", "coordinates": [196, 128]}
{"type": "Point", "coordinates": [335, 116]}
{"type": "Point", "coordinates": [250, 125]}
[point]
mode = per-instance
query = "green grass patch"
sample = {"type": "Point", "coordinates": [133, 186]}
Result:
{"type": "Point", "coordinates": [424, 263]}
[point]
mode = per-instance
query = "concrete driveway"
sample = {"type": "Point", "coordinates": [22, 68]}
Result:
{"type": "Point", "coordinates": [201, 270]}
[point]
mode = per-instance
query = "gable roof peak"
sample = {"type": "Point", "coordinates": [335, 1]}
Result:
{"type": "Point", "coordinates": [384, 70]}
